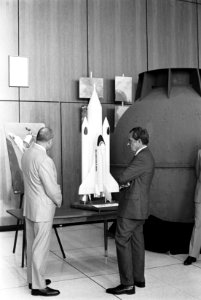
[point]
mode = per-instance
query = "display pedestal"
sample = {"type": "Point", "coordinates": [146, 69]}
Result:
{"type": "Point", "coordinates": [97, 204]}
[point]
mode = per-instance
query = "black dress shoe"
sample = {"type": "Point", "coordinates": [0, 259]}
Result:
{"type": "Point", "coordinates": [189, 260]}
{"type": "Point", "coordinates": [47, 282]}
{"type": "Point", "coordinates": [121, 289]}
{"type": "Point", "coordinates": [45, 292]}
{"type": "Point", "coordinates": [140, 284]}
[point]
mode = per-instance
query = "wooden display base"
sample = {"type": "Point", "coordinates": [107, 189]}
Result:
{"type": "Point", "coordinates": [97, 204]}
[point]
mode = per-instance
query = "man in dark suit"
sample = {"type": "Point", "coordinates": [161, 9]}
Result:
{"type": "Point", "coordinates": [132, 212]}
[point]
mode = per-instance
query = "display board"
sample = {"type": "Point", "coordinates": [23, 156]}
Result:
{"type": "Point", "coordinates": [19, 137]}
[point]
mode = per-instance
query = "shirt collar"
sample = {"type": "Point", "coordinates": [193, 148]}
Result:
{"type": "Point", "coordinates": [40, 147]}
{"type": "Point", "coordinates": [136, 153]}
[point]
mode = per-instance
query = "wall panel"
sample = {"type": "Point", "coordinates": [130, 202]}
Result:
{"type": "Point", "coordinates": [9, 45]}
{"type": "Point", "coordinates": [48, 113]}
{"type": "Point", "coordinates": [71, 150]}
{"type": "Point", "coordinates": [53, 35]}
{"type": "Point", "coordinates": [172, 34]}
{"type": "Point", "coordinates": [199, 32]}
{"type": "Point", "coordinates": [117, 41]}
{"type": "Point", "coordinates": [9, 112]}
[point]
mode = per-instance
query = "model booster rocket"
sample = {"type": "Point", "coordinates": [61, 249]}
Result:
{"type": "Point", "coordinates": [96, 177]}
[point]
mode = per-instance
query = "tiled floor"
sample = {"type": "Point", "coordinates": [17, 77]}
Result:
{"type": "Point", "coordinates": [86, 273]}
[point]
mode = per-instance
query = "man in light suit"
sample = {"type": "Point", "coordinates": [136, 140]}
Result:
{"type": "Point", "coordinates": [132, 212]}
{"type": "Point", "coordinates": [195, 242]}
{"type": "Point", "coordinates": [42, 195]}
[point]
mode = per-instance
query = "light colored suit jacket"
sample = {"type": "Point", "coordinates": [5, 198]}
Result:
{"type": "Point", "coordinates": [41, 192]}
{"type": "Point", "coordinates": [140, 171]}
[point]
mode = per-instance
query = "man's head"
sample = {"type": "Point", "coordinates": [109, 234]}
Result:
{"type": "Point", "coordinates": [44, 137]}
{"type": "Point", "coordinates": [138, 137]}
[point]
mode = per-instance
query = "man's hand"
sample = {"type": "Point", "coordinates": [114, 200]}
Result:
{"type": "Point", "coordinates": [124, 187]}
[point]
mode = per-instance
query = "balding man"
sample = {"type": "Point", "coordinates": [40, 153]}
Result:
{"type": "Point", "coordinates": [41, 197]}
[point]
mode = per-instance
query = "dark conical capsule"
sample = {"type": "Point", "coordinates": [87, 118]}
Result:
{"type": "Point", "coordinates": [100, 139]}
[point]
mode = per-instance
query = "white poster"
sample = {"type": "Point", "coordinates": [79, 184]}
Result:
{"type": "Point", "coordinates": [18, 71]}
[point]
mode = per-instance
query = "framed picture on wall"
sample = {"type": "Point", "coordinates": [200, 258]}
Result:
{"type": "Point", "coordinates": [86, 86]}
{"type": "Point", "coordinates": [123, 89]}
{"type": "Point", "coordinates": [18, 71]}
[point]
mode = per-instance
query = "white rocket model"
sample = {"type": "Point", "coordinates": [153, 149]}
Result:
{"type": "Point", "coordinates": [96, 177]}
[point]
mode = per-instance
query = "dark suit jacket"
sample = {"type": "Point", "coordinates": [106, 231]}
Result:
{"type": "Point", "coordinates": [197, 197]}
{"type": "Point", "coordinates": [135, 202]}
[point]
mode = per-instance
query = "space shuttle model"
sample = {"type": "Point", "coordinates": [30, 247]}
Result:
{"type": "Point", "coordinates": [96, 177]}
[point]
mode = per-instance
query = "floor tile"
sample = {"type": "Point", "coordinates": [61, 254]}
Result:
{"type": "Point", "coordinates": [88, 251]}
{"type": "Point", "coordinates": [153, 259]}
{"type": "Point", "coordinates": [81, 289]}
{"type": "Point", "coordinates": [76, 239]}
{"type": "Point", "coordinates": [60, 270]}
{"type": "Point", "coordinates": [20, 293]}
{"type": "Point", "coordinates": [154, 290]}
{"type": "Point", "coordinates": [184, 278]}
{"type": "Point", "coordinates": [11, 277]}
{"type": "Point", "coordinates": [86, 272]}
{"type": "Point", "coordinates": [164, 292]}
{"type": "Point", "coordinates": [91, 261]}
